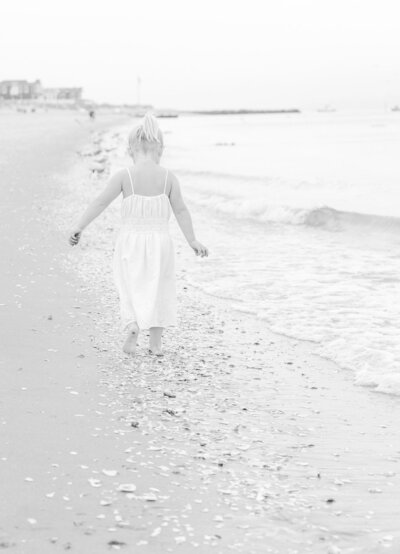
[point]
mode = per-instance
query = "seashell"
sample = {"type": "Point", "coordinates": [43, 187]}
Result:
{"type": "Point", "coordinates": [110, 472]}
{"type": "Point", "coordinates": [127, 487]}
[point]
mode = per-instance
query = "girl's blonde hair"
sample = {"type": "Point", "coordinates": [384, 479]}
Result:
{"type": "Point", "coordinates": [147, 134]}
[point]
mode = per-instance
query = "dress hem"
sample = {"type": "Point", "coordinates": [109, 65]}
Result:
{"type": "Point", "coordinates": [147, 327]}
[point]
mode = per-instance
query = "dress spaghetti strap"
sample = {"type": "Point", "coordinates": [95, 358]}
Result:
{"type": "Point", "coordinates": [130, 178]}
{"type": "Point", "coordinates": [165, 184]}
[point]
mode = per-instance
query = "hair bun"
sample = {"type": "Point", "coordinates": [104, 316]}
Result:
{"type": "Point", "coordinates": [150, 128]}
{"type": "Point", "coordinates": [146, 134]}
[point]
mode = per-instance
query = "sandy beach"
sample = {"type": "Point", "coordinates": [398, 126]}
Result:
{"type": "Point", "coordinates": [237, 440]}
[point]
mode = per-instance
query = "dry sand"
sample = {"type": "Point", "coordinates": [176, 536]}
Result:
{"type": "Point", "coordinates": [238, 440]}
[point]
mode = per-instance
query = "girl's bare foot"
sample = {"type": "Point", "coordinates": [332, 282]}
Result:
{"type": "Point", "coordinates": [155, 341]}
{"type": "Point", "coordinates": [157, 351]}
{"type": "Point", "coordinates": [130, 343]}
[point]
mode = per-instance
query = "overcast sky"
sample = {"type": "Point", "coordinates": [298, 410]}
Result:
{"type": "Point", "coordinates": [209, 53]}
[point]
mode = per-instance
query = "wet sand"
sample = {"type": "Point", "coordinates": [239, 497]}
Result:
{"type": "Point", "coordinates": [238, 440]}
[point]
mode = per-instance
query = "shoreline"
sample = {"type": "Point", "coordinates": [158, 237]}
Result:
{"type": "Point", "coordinates": [237, 440]}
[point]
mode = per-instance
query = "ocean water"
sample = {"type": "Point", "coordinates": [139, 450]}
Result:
{"type": "Point", "coordinates": [301, 213]}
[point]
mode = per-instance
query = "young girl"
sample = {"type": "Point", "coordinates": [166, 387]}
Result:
{"type": "Point", "coordinates": [144, 256]}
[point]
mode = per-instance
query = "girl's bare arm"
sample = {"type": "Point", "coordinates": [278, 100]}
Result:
{"type": "Point", "coordinates": [184, 218]}
{"type": "Point", "coordinates": [97, 206]}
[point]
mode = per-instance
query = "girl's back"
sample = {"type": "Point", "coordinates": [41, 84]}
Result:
{"type": "Point", "coordinates": [148, 178]}
{"type": "Point", "coordinates": [139, 208]}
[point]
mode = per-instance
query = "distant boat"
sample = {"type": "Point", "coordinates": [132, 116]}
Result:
{"type": "Point", "coordinates": [396, 109]}
{"type": "Point", "coordinates": [166, 114]}
{"type": "Point", "coordinates": [326, 109]}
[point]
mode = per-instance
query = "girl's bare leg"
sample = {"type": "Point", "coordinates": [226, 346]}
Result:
{"type": "Point", "coordinates": [155, 340]}
{"type": "Point", "coordinates": [131, 339]}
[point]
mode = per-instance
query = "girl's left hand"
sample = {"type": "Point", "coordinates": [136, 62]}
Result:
{"type": "Point", "coordinates": [75, 237]}
{"type": "Point", "coordinates": [199, 249]}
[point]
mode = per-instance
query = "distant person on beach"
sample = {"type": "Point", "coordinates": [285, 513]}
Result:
{"type": "Point", "coordinates": [92, 114]}
{"type": "Point", "coordinates": [144, 255]}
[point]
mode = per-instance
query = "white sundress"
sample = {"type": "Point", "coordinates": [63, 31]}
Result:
{"type": "Point", "coordinates": [144, 261]}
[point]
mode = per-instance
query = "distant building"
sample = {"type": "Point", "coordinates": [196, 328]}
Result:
{"type": "Point", "coordinates": [24, 90]}
{"type": "Point", "coordinates": [20, 90]}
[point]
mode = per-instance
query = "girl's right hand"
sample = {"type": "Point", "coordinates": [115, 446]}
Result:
{"type": "Point", "coordinates": [199, 248]}
{"type": "Point", "coordinates": [75, 237]}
